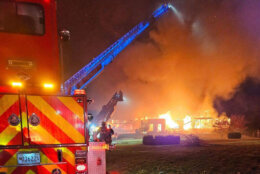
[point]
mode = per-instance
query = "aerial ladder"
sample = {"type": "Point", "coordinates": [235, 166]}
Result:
{"type": "Point", "coordinates": [108, 109]}
{"type": "Point", "coordinates": [89, 72]}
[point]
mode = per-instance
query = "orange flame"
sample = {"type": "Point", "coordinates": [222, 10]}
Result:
{"type": "Point", "coordinates": [169, 122]}
{"type": "Point", "coordinates": [187, 123]}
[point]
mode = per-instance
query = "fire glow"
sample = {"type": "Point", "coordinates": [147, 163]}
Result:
{"type": "Point", "coordinates": [187, 123]}
{"type": "Point", "coordinates": [169, 121]}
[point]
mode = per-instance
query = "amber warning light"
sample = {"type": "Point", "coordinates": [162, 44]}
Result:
{"type": "Point", "coordinates": [17, 84]}
{"type": "Point", "coordinates": [48, 85]}
{"type": "Point", "coordinates": [79, 92]}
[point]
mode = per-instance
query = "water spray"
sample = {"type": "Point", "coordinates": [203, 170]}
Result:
{"type": "Point", "coordinates": [177, 13]}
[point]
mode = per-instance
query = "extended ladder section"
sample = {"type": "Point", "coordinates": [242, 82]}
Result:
{"type": "Point", "coordinates": [84, 76]}
{"type": "Point", "coordinates": [108, 109]}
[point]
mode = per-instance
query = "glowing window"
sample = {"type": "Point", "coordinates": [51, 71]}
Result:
{"type": "Point", "coordinates": [159, 128]}
{"type": "Point", "coordinates": [150, 128]}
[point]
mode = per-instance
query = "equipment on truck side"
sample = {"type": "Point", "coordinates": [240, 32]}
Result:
{"type": "Point", "coordinates": [42, 131]}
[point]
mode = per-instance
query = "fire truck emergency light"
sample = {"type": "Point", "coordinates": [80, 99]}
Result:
{"type": "Point", "coordinates": [17, 84]}
{"type": "Point", "coordinates": [48, 85]}
{"type": "Point", "coordinates": [79, 92]}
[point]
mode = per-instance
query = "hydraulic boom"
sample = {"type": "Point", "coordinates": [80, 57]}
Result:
{"type": "Point", "coordinates": [108, 109]}
{"type": "Point", "coordinates": [84, 76]}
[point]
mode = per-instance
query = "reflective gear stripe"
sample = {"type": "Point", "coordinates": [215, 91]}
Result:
{"type": "Point", "coordinates": [48, 111]}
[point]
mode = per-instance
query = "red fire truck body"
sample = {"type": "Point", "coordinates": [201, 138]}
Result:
{"type": "Point", "coordinates": [29, 44]}
{"type": "Point", "coordinates": [39, 132]}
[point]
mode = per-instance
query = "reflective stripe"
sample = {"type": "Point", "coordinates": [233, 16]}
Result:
{"type": "Point", "coordinates": [48, 111]}
{"type": "Point", "coordinates": [42, 134]}
{"type": "Point", "coordinates": [30, 172]}
{"type": "Point", "coordinates": [8, 134]}
{"type": "Point", "coordinates": [6, 102]}
{"type": "Point", "coordinates": [73, 106]}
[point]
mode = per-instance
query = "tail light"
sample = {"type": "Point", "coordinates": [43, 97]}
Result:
{"type": "Point", "coordinates": [81, 167]}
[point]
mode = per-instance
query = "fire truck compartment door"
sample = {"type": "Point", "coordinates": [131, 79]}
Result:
{"type": "Point", "coordinates": [10, 120]}
{"type": "Point", "coordinates": [56, 120]}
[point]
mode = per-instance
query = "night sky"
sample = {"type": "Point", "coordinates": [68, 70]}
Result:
{"type": "Point", "coordinates": [96, 24]}
{"type": "Point", "coordinates": [229, 29]}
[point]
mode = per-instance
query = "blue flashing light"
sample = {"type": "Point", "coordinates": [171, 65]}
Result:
{"type": "Point", "coordinates": [93, 77]}
{"type": "Point", "coordinates": [160, 11]}
{"type": "Point", "coordinates": [107, 56]}
{"type": "Point", "coordinates": [73, 89]}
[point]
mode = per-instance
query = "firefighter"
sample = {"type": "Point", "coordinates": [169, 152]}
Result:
{"type": "Point", "coordinates": [110, 133]}
{"type": "Point", "coordinates": [103, 132]}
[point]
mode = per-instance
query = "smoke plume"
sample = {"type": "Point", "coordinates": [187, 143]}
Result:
{"type": "Point", "coordinates": [184, 66]}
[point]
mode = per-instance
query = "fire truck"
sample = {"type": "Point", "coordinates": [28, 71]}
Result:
{"type": "Point", "coordinates": [43, 120]}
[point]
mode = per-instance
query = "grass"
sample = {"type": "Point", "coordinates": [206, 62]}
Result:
{"type": "Point", "coordinates": [214, 156]}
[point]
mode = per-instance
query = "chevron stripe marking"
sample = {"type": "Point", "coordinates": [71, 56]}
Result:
{"type": "Point", "coordinates": [8, 134]}
{"type": "Point", "coordinates": [47, 110]}
{"type": "Point", "coordinates": [5, 115]}
{"type": "Point", "coordinates": [49, 126]}
{"type": "Point", "coordinates": [7, 154]}
{"type": "Point", "coordinates": [68, 159]}
{"type": "Point", "coordinates": [67, 113]}
{"type": "Point", "coordinates": [71, 104]}
{"type": "Point", "coordinates": [40, 135]}
{"type": "Point", "coordinates": [6, 102]}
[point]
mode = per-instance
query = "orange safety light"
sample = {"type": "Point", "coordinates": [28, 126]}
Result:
{"type": "Point", "coordinates": [17, 84]}
{"type": "Point", "coordinates": [48, 85]}
{"type": "Point", "coordinates": [79, 92]}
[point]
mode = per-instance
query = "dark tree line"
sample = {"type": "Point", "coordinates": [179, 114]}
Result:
{"type": "Point", "coordinates": [246, 101]}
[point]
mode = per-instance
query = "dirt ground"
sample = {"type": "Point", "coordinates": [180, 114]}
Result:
{"type": "Point", "coordinates": [220, 156]}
